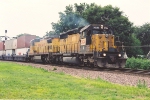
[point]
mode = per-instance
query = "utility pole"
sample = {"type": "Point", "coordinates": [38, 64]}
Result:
{"type": "Point", "coordinates": [5, 34]}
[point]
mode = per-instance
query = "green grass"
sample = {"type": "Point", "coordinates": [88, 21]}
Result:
{"type": "Point", "coordinates": [26, 82]}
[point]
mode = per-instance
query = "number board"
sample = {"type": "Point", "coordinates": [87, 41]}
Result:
{"type": "Point", "coordinates": [83, 41]}
{"type": "Point", "coordinates": [95, 27]}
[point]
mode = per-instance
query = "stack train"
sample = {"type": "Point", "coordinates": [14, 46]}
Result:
{"type": "Point", "coordinates": [91, 45]}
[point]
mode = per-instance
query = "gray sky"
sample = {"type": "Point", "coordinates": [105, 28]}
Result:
{"type": "Point", "coordinates": [35, 16]}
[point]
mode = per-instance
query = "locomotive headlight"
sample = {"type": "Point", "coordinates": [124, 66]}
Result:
{"type": "Point", "coordinates": [104, 54]}
{"type": "Point", "coordinates": [119, 55]}
{"type": "Point", "coordinates": [102, 26]}
{"type": "Point", "coordinates": [106, 35]}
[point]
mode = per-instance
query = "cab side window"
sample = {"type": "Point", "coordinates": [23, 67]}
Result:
{"type": "Point", "coordinates": [88, 37]}
{"type": "Point", "coordinates": [89, 33]}
{"type": "Point", "coordinates": [83, 34]}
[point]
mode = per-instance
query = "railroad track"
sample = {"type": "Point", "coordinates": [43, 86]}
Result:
{"type": "Point", "coordinates": [128, 70]}
{"type": "Point", "coordinates": [114, 70]}
{"type": "Point", "coordinates": [111, 70]}
{"type": "Point", "coordinates": [117, 70]}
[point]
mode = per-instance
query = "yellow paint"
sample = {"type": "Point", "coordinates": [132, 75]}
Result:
{"type": "Point", "coordinates": [71, 44]}
{"type": "Point", "coordinates": [100, 42]}
{"type": "Point", "coordinates": [43, 47]}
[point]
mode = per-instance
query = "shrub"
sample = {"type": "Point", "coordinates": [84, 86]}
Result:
{"type": "Point", "coordinates": [141, 84]}
{"type": "Point", "coordinates": [54, 69]}
{"type": "Point", "coordinates": [138, 63]}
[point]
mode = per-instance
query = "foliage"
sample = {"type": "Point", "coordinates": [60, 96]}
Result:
{"type": "Point", "coordinates": [51, 34]}
{"type": "Point", "coordinates": [134, 51]}
{"type": "Point", "coordinates": [54, 69]}
{"type": "Point", "coordinates": [148, 55]}
{"type": "Point", "coordinates": [138, 63]}
{"type": "Point", "coordinates": [143, 34]}
{"type": "Point", "coordinates": [26, 82]}
{"type": "Point", "coordinates": [83, 14]}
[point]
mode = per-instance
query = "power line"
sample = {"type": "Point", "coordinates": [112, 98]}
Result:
{"type": "Point", "coordinates": [134, 46]}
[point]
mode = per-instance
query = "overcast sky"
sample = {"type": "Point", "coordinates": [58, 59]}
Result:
{"type": "Point", "coordinates": [35, 16]}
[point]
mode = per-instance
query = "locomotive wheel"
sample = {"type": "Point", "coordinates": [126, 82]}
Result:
{"type": "Point", "coordinates": [81, 63]}
{"type": "Point", "coordinates": [121, 63]}
{"type": "Point", "coordinates": [53, 60]}
{"type": "Point", "coordinates": [101, 62]}
{"type": "Point", "coordinates": [95, 64]}
{"type": "Point", "coordinates": [46, 60]}
{"type": "Point", "coordinates": [50, 60]}
{"type": "Point", "coordinates": [88, 63]}
{"type": "Point", "coordinates": [91, 64]}
{"type": "Point", "coordinates": [31, 59]}
{"type": "Point", "coordinates": [43, 60]}
{"type": "Point", "coordinates": [85, 64]}
{"type": "Point", "coordinates": [57, 60]}
{"type": "Point", "coordinates": [61, 60]}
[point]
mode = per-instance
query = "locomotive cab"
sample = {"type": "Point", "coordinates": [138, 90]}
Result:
{"type": "Point", "coordinates": [98, 46]}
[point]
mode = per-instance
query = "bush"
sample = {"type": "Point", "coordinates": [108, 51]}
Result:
{"type": "Point", "coordinates": [54, 69]}
{"type": "Point", "coordinates": [138, 63]}
{"type": "Point", "coordinates": [141, 84]}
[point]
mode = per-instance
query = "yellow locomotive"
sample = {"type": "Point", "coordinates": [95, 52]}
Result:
{"type": "Point", "coordinates": [93, 44]}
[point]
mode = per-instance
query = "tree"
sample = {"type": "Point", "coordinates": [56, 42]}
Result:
{"type": "Point", "coordinates": [135, 49]}
{"type": "Point", "coordinates": [112, 17]}
{"type": "Point", "coordinates": [143, 34]}
{"type": "Point", "coordinates": [50, 34]}
{"type": "Point", "coordinates": [83, 14]}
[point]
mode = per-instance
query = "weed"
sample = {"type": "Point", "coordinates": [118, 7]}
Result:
{"type": "Point", "coordinates": [141, 84]}
{"type": "Point", "coordinates": [54, 69]}
{"type": "Point", "coordinates": [88, 77]}
{"type": "Point", "coordinates": [62, 73]}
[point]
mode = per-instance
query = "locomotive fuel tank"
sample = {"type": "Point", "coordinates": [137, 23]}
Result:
{"type": "Point", "coordinates": [71, 60]}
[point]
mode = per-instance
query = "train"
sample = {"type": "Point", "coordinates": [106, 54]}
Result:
{"type": "Point", "coordinates": [90, 45]}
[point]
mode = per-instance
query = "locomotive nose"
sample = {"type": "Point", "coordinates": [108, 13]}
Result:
{"type": "Point", "coordinates": [111, 59]}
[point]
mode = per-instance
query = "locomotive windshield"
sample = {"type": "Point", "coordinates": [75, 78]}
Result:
{"type": "Point", "coordinates": [100, 31]}
{"type": "Point", "coordinates": [96, 31]}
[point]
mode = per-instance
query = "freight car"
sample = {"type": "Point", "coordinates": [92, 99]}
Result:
{"type": "Point", "coordinates": [2, 49]}
{"type": "Point", "coordinates": [16, 48]}
{"type": "Point", "coordinates": [93, 44]}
